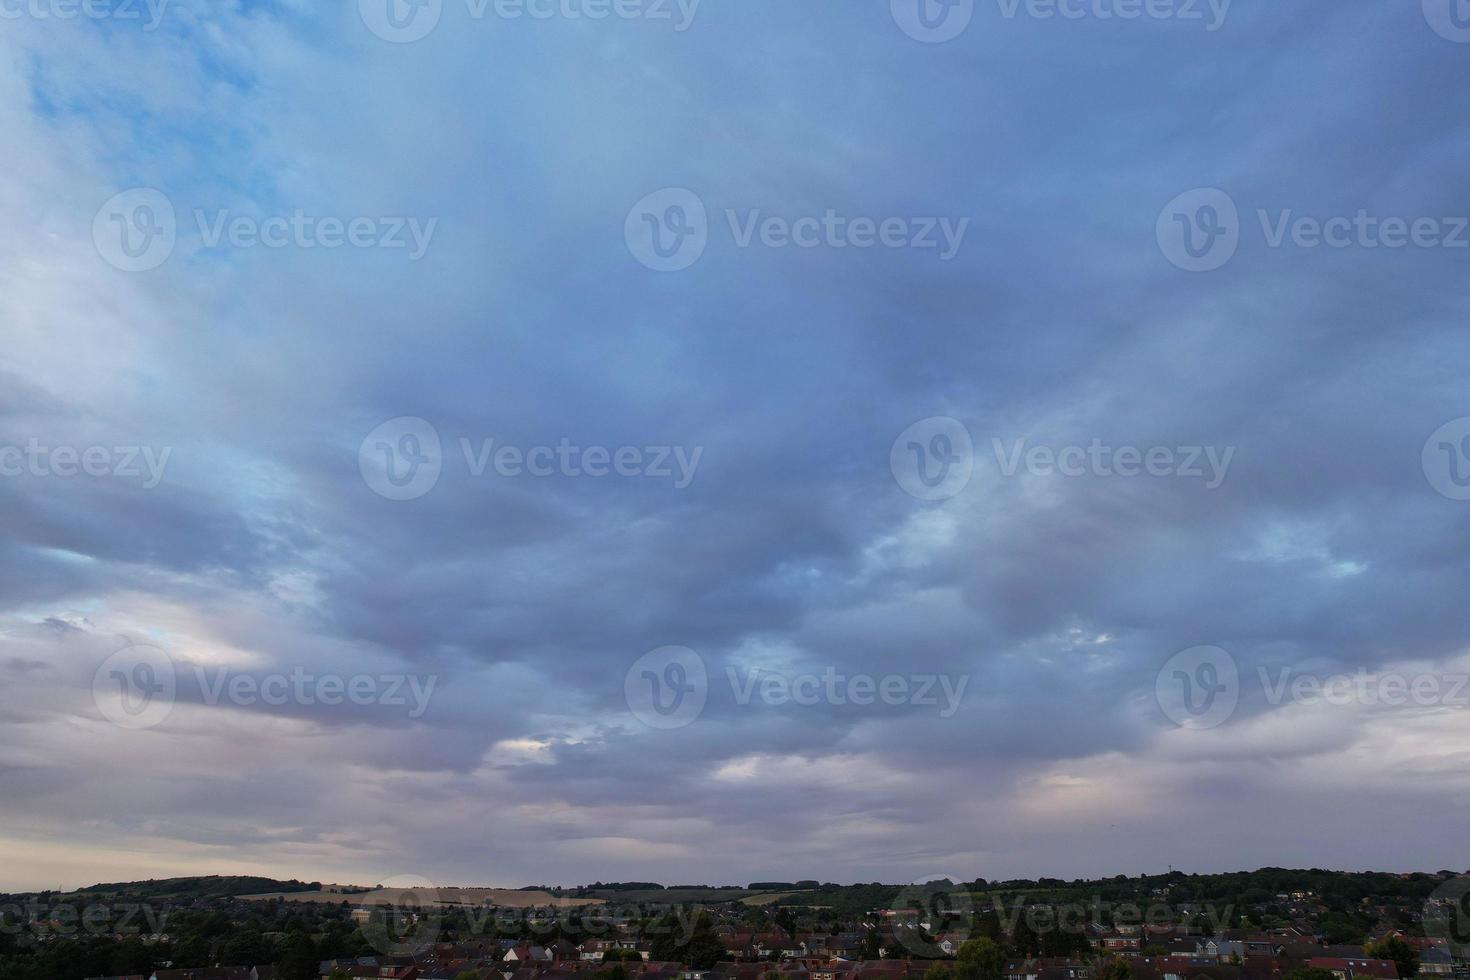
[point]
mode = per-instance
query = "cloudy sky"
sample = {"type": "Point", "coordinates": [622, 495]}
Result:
{"type": "Point", "coordinates": [732, 441]}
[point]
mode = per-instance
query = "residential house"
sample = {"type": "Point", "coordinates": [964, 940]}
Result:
{"type": "Point", "coordinates": [1352, 969]}
{"type": "Point", "coordinates": [593, 950]}
{"type": "Point", "coordinates": [528, 954]}
{"type": "Point", "coordinates": [1436, 962]}
{"type": "Point", "coordinates": [1047, 968]}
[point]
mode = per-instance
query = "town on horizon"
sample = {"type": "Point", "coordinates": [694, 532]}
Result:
{"type": "Point", "coordinates": [1269, 924]}
{"type": "Point", "coordinates": [796, 883]}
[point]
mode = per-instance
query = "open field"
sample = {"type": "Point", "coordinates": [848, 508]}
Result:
{"type": "Point", "coordinates": [442, 897]}
{"type": "Point", "coordinates": [766, 898]}
{"type": "Point", "coordinates": [671, 896]}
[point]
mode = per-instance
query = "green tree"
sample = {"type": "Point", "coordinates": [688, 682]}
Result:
{"type": "Point", "coordinates": [130, 957]}
{"type": "Point", "coordinates": [980, 959]}
{"type": "Point", "coordinates": [300, 959]}
{"type": "Point", "coordinates": [244, 948]}
{"type": "Point", "coordinates": [665, 939]}
{"type": "Point", "coordinates": [705, 947]}
{"type": "Point", "coordinates": [1311, 973]}
{"type": "Point", "coordinates": [190, 950]}
{"type": "Point", "coordinates": [1114, 969]}
{"type": "Point", "coordinates": [1341, 930]}
{"type": "Point", "coordinates": [619, 955]}
{"type": "Point", "coordinates": [1062, 940]}
{"type": "Point", "coordinates": [700, 948]}
{"type": "Point", "coordinates": [1404, 956]}
{"type": "Point", "coordinates": [1023, 940]}
{"type": "Point", "coordinates": [939, 971]}
{"type": "Point", "coordinates": [987, 924]}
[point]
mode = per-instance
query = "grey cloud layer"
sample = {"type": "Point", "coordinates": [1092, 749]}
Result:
{"type": "Point", "coordinates": [528, 321]}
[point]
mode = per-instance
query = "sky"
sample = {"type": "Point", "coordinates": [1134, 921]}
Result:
{"type": "Point", "coordinates": [510, 443]}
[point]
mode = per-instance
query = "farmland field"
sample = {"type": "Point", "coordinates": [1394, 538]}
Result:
{"type": "Point", "coordinates": [503, 897]}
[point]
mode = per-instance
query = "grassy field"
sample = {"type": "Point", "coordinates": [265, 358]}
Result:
{"type": "Point", "coordinates": [617, 896]}
{"type": "Point", "coordinates": [442, 897]}
{"type": "Point", "coordinates": [766, 898]}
